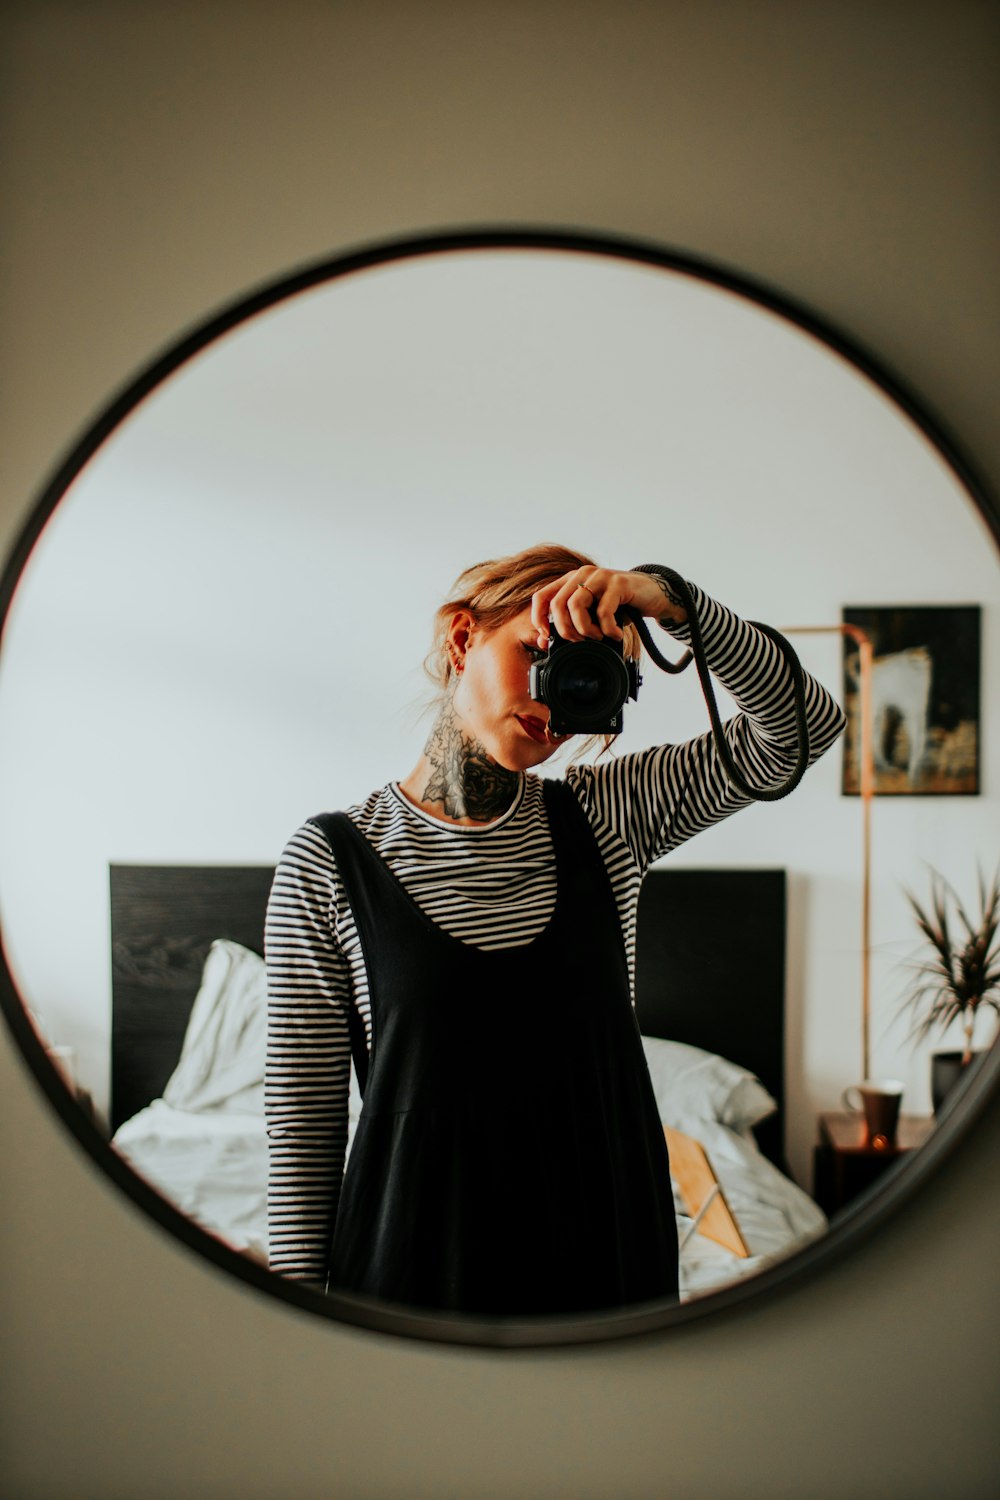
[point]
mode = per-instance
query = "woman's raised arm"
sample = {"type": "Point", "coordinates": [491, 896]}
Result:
{"type": "Point", "coordinates": [658, 798]}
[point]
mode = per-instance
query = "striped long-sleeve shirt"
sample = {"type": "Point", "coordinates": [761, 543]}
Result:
{"type": "Point", "coordinates": [492, 886]}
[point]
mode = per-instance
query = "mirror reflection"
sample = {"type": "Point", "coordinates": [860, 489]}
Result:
{"type": "Point", "coordinates": [221, 634]}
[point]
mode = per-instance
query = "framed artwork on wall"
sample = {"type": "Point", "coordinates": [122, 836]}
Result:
{"type": "Point", "coordinates": [925, 699]}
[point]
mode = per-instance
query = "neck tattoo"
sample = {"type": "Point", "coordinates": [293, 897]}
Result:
{"type": "Point", "coordinates": [464, 781]}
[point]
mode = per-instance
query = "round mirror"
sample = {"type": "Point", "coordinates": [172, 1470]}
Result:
{"type": "Point", "coordinates": [214, 628]}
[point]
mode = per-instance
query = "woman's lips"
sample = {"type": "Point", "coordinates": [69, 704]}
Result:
{"type": "Point", "coordinates": [535, 728]}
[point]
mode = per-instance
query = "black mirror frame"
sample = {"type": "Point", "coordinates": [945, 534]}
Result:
{"type": "Point", "coordinates": [867, 1214]}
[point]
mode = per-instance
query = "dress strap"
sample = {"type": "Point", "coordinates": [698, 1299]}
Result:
{"type": "Point", "coordinates": [340, 832]}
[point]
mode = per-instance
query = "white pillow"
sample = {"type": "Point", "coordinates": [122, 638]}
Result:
{"type": "Point", "coordinates": [221, 1065]}
{"type": "Point", "coordinates": [692, 1084]}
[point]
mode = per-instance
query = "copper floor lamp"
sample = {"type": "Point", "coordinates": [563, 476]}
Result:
{"type": "Point", "coordinates": [866, 763]}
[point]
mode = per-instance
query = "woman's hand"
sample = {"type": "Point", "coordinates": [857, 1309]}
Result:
{"type": "Point", "coordinates": [569, 601]}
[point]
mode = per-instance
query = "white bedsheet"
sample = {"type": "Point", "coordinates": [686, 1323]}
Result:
{"type": "Point", "coordinates": [211, 1164]}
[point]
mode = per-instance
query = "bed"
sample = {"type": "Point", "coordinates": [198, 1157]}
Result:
{"type": "Point", "coordinates": [188, 1033]}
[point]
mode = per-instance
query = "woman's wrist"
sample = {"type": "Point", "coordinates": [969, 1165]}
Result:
{"type": "Point", "coordinates": [662, 600]}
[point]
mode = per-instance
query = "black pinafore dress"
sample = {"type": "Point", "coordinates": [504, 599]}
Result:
{"type": "Point", "coordinates": [509, 1159]}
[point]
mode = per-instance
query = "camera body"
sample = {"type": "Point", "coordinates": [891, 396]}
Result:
{"type": "Point", "coordinates": [584, 684]}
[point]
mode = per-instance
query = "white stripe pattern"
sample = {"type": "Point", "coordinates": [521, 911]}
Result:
{"type": "Point", "coordinates": [494, 887]}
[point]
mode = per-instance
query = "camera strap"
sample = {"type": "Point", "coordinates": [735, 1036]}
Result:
{"type": "Point", "coordinates": [697, 654]}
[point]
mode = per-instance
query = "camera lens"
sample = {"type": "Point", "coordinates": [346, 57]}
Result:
{"type": "Point", "coordinates": [582, 689]}
{"type": "Point", "coordinates": [588, 684]}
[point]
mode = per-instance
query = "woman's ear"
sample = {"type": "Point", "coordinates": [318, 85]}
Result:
{"type": "Point", "coordinates": [460, 633]}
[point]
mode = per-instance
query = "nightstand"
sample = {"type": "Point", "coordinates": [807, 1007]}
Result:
{"type": "Point", "coordinates": [845, 1163]}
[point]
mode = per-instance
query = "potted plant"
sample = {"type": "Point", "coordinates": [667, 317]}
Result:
{"type": "Point", "coordinates": [959, 978]}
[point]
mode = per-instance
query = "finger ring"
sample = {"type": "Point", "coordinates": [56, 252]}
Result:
{"type": "Point", "coordinates": [586, 586]}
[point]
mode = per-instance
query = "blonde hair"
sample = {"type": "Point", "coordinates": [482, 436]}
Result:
{"type": "Point", "coordinates": [495, 591]}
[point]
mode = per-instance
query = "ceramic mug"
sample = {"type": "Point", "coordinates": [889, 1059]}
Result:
{"type": "Point", "coordinates": [879, 1099]}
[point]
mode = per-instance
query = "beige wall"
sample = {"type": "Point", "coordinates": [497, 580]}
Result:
{"type": "Point", "coordinates": [158, 159]}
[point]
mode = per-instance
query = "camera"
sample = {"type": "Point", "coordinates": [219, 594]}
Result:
{"type": "Point", "coordinates": [584, 684]}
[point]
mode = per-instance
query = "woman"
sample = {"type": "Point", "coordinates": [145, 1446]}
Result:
{"type": "Point", "coordinates": [469, 933]}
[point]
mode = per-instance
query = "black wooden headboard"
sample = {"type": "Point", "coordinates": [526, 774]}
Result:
{"type": "Point", "coordinates": [164, 919]}
{"type": "Point", "coordinates": [710, 971]}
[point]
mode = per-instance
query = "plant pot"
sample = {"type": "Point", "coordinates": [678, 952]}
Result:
{"type": "Point", "coordinates": [946, 1070]}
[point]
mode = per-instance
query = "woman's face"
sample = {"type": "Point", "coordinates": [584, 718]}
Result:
{"type": "Point", "coordinates": [491, 699]}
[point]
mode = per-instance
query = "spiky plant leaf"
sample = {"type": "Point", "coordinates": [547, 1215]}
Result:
{"type": "Point", "coordinates": [963, 972]}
